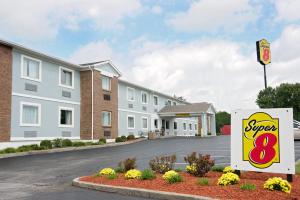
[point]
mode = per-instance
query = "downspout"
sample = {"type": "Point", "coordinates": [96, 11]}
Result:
{"type": "Point", "coordinates": [92, 70]}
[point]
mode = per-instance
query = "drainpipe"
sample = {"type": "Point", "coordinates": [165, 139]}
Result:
{"type": "Point", "coordinates": [92, 70]}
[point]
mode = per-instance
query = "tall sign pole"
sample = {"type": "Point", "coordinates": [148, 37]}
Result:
{"type": "Point", "coordinates": [263, 55]}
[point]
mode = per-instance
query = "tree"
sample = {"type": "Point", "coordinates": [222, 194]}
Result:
{"type": "Point", "coordinates": [222, 118]}
{"type": "Point", "coordinates": [285, 95]}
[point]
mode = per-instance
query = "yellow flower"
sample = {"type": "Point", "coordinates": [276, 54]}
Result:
{"type": "Point", "coordinates": [107, 171]}
{"type": "Point", "coordinates": [191, 168]}
{"type": "Point", "coordinates": [228, 179]}
{"type": "Point", "coordinates": [228, 169]}
{"type": "Point", "coordinates": [277, 183]}
{"type": "Point", "coordinates": [133, 174]}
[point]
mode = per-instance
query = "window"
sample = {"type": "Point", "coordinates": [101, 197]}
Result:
{"type": "Point", "coordinates": [66, 117]}
{"type": "Point", "coordinates": [30, 114]}
{"type": "Point", "coordinates": [184, 126]}
{"type": "Point", "coordinates": [130, 122]}
{"type": "Point", "coordinates": [106, 118]}
{"type": "Point", "coordinates": [167, 125]}
{"type": "Point", "coordinates": [155, 100]}
{"type": "Point", "coordinates": [66, 77]}
{"type": "Point", "coordinates": [169, 103]}
{"type": "Point", "coordinates": [174, 103]}
{"type": "Point", "coordinates": [195, 126]}
{"type": "Point", "coordinates": [106, 81]}
{"type": "Point", "coordinates": [144, 123]}
{"type": "Point", "coordinates": [144, 98]}
{"type": "Point", "coordinates": [175, 125]}
{"type": "Point", "coordinates": [106, 97]}
{"type": "Point", "coordinates": [31, 68]}
{"type": "Point", "coordinates": [190, 126]}
{"type": "Point", "coordinates": [155, 123]}
{"type": "Point", "coordinates": [130, 94]}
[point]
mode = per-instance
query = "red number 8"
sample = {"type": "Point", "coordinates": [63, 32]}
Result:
{"type": "Point", "coordinates": [266, 54]}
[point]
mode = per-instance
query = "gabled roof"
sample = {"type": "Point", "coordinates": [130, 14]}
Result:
{"type": "Point", "coordinates": [101, 63]}
{"type": "Point", "coordinates": [190, 108]}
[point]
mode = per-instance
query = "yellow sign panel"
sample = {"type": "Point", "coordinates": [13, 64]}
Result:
{"type": "Point", "coordinates": [261, 140]}
{"type": "Point", "coordinates": [263, 52]}
{"type": "Point", "coordinates": [182, 115]}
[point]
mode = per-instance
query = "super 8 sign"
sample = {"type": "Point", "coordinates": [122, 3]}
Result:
{"type": "Point", "coordinates": [263, 52]}
{"type": "Point", "coordinates": [263, 140]}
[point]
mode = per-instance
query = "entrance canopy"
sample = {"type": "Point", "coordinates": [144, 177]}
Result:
{"type": "Point", "coordinates": [190, 110]}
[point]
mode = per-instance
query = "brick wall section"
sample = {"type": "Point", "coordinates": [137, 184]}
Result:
{"type": "Point", "coordinates": [5, 92]}
{"type": "Point", "coordinates": [99, 105]}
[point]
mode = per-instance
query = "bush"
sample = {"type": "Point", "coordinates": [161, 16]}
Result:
{"type": "Point", "coordinates": [130, 137]}
{"type": "Point", "coordinates": [124, 138]}
{"type": "Point", "coordinates": [162, 164]}
{"type": "Point", "coordinates": [191, 169]}
{"type": "Point", "coordinates": [228, 179]}
{"type": "Point", "coordinates": [247, 186]}
{"type": "Point", "coordinates": [120, 139]}
{"type": "Point", "coordinates": [279, 184]}
{"type": "Point", "coordinates": [47, 144]}
{"type": "Point", "coordinates": [102, 141]}
{"type": "Point", "coordinates": [23, 148]}
{"type": "Point", "coordinates": [148, 174]}
{"type": "Point", "coordinates": [172, 177]}
{"type": "Point", "coordinates": [78, 144]}
{"type": "Point", "coordinates": [9, 150]}
{"type": "Point", "coordinates": [203, 181]}
{"type": "Point", "coordinates": [57, 143]}
{"type": "Point", "coordinates": [133, 174]}
{"type": "Point", "coordinates": [228, 169]}
{"type": "Point", "coordinates": [178, 170]}
{"type": "Point", "coordinates": [112, 176]}
{"type": "Point", "coordinates": [199, 165]}
{"type": "Point", "coordinates": [66, 143]}
{"type": "Point", "coordinates": [127, 164]}
{"type": "Point", "coordinates": [119, 170]}
{"type": "Point", "coordinates": [35, 147]}
{"type": "Point", "coordinates": [107, 171]}
{"type": "Point", "coordinates": [217, 168]}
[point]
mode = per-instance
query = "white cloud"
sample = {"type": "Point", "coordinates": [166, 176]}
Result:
{"type": "Point", "coordinates": [156, 10]}
{"type": "Point", "coordinates": [35, 19]}
{"type": "Point", "coordinates": [215, 15]}
{"type": "Point", "coordinates": [287, 9]}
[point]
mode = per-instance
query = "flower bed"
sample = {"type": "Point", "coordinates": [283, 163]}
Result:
{"type": "Point", "coordinates": [190, 185]}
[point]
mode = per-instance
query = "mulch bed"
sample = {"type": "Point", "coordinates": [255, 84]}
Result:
{"type": "Point", "coordinates": [189, 186]}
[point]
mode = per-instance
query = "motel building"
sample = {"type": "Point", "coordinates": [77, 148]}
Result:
{"type": "Point", "coordinates": [43, 97]}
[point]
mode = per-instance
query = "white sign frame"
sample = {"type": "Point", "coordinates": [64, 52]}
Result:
{"type": "Point", "coordinates": [286, 141]}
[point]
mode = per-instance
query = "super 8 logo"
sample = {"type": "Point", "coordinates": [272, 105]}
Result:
{"type": "Point", "coordinates": [261, 140]}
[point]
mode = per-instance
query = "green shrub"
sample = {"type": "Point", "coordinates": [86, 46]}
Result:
{"type": "Point", "coordinates": [124, 138]}
{"type": "Point", "coordinates": [66, 143]}
{"type": "Point", "coordinates": [120, 139]}
{"type": "Point", "coordinates": [1, 152]}
{"type": "Point", "coordinates": [172, 177]}
{"type": "Point", "coordinates": [112, 176]}
{"type": "Point", "coordinates": [119, 169]}
{"type": "Point", "coordinates": [148, 174]}
{"type": "Point", "coordinates": [162, 164]}
{"type": "Point", "coordinates": [203, 181]}
{"type": "Point", "coordinates": [127, 164]}
{"type": "Point", "coordinates": [200, 164]}
{"type": "Point", "coordinates": [102, 140]}
{"type": "Point", "coordinates": [10, 150]}
{"type": "Point", "coordinates": [247, 186]}
{"type": "Point", "coordinates": [178, 170]}
{"type": "Point", "coordinates": [35, 147]}
{"type": "Point", "coordinates": [78, 144]}
{"type": "Point", "coordinates": [24, 148]}
{"type": "Point", "coordinates": [57, 143]}
{"type": "Point", "coordinates": [130, 137]}
{"type": "Point", "coordinates": [90, 143]}
{"type": "Point", "coordinates": [217, 168]}
{"type": "Point", "coordinates": [47, 144]}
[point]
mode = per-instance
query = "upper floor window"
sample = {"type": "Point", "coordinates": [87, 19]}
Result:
{"type": "Point", "coordinates": [106, 83]}
{"type": "Point", "coordinates": [30, 114]}
{"type": "Point", "coordinates": [191, 127]}
{"type": "Point", "coordinates": [31, 68]}
{"type": "Point", "coordinates": [155, 100]}
{"type": "Point", "coordinates": [66, 117]}
{"type": "Point", "coordinates": [144, 98]}
{"type": "Point", "coordinates": [130, 94]}
{"type": "Point", "coordinates": [106, 118]}
{"type": "Point", "coordinates": [66, 77]}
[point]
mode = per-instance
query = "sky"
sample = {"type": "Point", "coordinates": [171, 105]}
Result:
{"type": "Point", "coordinates": [203, 50]}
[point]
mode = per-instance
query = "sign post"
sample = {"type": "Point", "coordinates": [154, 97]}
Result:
{"type": "Point", "coordinates": [263, 140]}
{"type": "Point", "coordinates": [263, 55]}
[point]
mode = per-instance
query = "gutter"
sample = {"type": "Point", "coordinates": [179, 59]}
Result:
{"type": "Point", "coordinates": [92, 70]}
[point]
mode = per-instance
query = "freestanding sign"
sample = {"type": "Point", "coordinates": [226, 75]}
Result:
{"type": "Point", "coordinates": [263, 140]}
{"type": "Point", "coordinates": [263, 55]}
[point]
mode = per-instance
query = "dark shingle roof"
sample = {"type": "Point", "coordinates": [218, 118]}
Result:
{"type": "Point", "coordinates": [191, 108]}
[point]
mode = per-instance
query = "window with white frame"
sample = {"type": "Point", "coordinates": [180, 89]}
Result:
{"type": "Point", "coordinates": [31, 68]}
{"type": "Point", "coordinates": [130, 122]}
{"type": "Point", "coordinates": [130, 94]}
{"type": "Point", "coordinates": [184, 126]}
{"type": "Point", "coordinates": [106, 118]}
{"type": "Point", "coordinates": [144, 122]}
{"type": "Point", "coordinates": [30, 114]}
{"type": "Point", "coordinates": [175, 125]}
{"type": "Point", "coordinates": [191, 128]}
{"type": "Point", "coordinates": [195, 126]}
{"type": "Point", "coordinates": [66, 77]}
{"type": "Point", "coordinates": [106, 83]}
{"type": "Point", "coordinates": [144, 98]}
{"type": "Point", "coordinates": [156, 123]}
{"type": "Point", "coordinates": [155, 100]}
{"type": "Point", "coordinates": [66, 117]}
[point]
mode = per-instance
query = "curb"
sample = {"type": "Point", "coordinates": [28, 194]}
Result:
{"type": "Point", "coordinates": [66, 149]}
{"type": "Point", "coordinates": [137, 192]}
